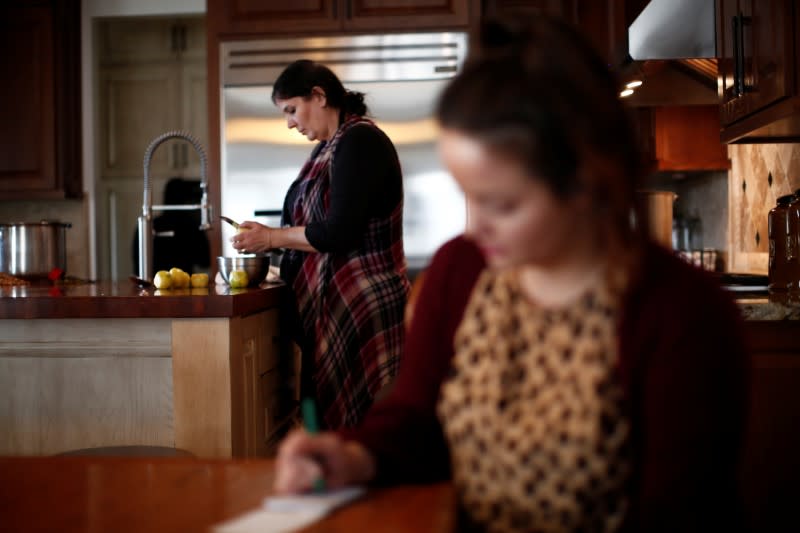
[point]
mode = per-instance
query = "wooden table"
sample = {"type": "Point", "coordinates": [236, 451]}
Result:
{"type": "Point", "coordinates": [82, 494]}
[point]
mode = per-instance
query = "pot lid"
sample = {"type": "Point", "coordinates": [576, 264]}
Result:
{"type": "Point", "coordinates": [38, 224]}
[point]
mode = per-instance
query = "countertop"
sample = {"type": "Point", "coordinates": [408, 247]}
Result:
{"type": "Point", "coordinates": [763, 306]}
{"type": "Point", "coordinates": [124, 299]}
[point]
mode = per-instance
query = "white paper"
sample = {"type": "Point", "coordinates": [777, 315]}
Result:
{"type": "Point", "coordinates": [261, 521]}
{"type": "Point", "coordinates": [318, 502]}
{"type": "Point", "coordinates": [281, 514]}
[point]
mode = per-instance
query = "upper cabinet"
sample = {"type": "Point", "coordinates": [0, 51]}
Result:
{"type": "Point", "coordinates": [40, 129]}
{"type": "Point", "coordinates": [241, 18]}
{"type": "Point", "coordinates": [757, 45]}
{"type": "Point", "coordinates": [680, 138]}
{"type": "Point", "coordinates": [152, 79]}
{"type": "Point", "coordinates": [604, 23]}
{"type": "Point", "coordinates": [685, 139]}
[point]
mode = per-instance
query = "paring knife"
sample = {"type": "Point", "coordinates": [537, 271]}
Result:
{"type": "Point", "coordinates": [230, 221]}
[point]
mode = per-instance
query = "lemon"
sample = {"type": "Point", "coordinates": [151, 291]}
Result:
{"type": "Point", "coordinates": [180, 279]}
{"type": "Point", "coordinates": [238, 279]}
{"type": "Point", "coordinates": [162, 280]}
{"type": "Point", "coordinates": [198, 281]}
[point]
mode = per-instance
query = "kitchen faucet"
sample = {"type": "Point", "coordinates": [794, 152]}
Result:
{"type": "Point", "coordinates": [145, 221]}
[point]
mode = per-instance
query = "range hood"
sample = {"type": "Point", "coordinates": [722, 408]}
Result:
{"type": "Point", "coordinates": [672, 49]}
{"type": "Point", "coordinates": [673, 29]}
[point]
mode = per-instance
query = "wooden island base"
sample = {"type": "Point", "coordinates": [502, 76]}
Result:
{"type": "Point", "coordinates": [216, 386]}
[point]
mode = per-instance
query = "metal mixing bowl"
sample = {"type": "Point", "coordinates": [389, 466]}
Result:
{"type": "Point", "coordinates": [256, 267]}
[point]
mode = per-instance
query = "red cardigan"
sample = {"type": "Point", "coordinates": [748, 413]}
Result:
{"type": "Point", "coordinates": [682, 365]}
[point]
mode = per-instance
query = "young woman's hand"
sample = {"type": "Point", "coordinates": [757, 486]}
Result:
{"type": "Point", "coordinates": [304, 458]}
{"type": "Point", "coordinates": [252, 238]}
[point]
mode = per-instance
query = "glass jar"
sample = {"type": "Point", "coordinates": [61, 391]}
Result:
{"type": "Point", "coordinates": [781, 244]}
{"type": "Point", "coordinates": [793, 242]}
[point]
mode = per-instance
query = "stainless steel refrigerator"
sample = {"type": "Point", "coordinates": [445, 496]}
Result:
{"type": "Point", "coordinates": [401, 76]}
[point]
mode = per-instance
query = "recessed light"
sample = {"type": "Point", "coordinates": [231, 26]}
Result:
{"type": "Point", "coordinates": [626, 92]}
{"type": "Point", "coordinates": [633, 84]}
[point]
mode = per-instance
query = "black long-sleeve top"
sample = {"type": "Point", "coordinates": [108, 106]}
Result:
{"type": "Point", "coordinates": [366, 182]}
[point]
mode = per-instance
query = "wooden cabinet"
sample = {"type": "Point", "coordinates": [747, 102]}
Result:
{"type": "Point", "coordinates": [152, 79]}
{"type": "Point", "coordinates": [686, 139]}
{"type": "Point", "coordinates": [680, 138]}
{"type": "Point", "coordinates": [246, 376]}
{"type": "Point", "coordinates": [758, 45]}
{"type": "Point", "coordinates": [604, 23]}
{"type": "Point", "coordinates": [40, 112]}
{"type": "Point", "coordinates": [258, 17]}
{"type": "Point", "coordinates": [261, 397]}
{"type": "Point", "coordinates": [771, 462]}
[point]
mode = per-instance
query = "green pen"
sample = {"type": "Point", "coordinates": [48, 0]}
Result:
{"type": "Point", "coordinates": [310, 422]}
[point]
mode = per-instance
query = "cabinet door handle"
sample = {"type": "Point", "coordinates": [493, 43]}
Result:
{"type": "Point", "coordinates": [182, 38]}
{"type": "Point", "coordinates": [335, 8]}
{"type": "Point", "coordinates": [743, 70]}
{"type": "Point", "coordinates": [739, 75]}
{"type": "Point", "coordinates": [348, 9]}
{"type": "Point", "coordinates": [737, 64]}
{"type": "Point", "coordinates": [173, 38]}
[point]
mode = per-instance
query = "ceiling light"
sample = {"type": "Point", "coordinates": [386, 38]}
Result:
{"type": "Point", "coordinates": [626, 92]}
{"type": "Point", "coordinates": [633, 84]}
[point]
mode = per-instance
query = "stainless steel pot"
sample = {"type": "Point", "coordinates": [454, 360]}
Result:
{"type": "Point", "coordinates": [33, 249]}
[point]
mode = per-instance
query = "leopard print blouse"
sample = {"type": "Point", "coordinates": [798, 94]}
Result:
{"type": "Point", "coordinates": [533, 412]}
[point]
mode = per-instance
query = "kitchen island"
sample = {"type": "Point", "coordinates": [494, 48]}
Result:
{"type": "Point", "coordinates": [112, 364]}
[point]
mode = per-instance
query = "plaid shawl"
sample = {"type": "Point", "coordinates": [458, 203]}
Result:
{"type": "Point", "coordinates": [351, 304]}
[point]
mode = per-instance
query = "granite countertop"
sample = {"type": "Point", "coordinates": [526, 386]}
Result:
{"type": "Point", "coordinates": [766, 306]}
{"type": "Point", "coordinates": [124, 299]}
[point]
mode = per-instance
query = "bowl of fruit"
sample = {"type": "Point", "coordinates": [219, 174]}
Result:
{"type": "Point", "coordinates": [246, 270]}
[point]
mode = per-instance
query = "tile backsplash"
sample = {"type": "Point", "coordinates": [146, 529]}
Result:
{"type": "Point", "coordinates": [759, 174]}
{"type": "Point", "coordinates": [732, 206]}
{"type": "Point", "coordinates": [71, 211]}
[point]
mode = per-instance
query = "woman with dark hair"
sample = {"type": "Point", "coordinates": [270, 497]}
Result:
{"type": "Point", "coordinates": [563, 370]}
{"type": "Point", "coordinates": [343, 235]}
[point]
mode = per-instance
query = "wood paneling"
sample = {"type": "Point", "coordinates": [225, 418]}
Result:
{"type": "Point", "coordinates": [202, 382]}
{"type": "Point", "coordinates": [70, 384]}
{"type": "Point", "coordinates": [227, 385]}
{"type": "Point", "coordinates": [216, 387]}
